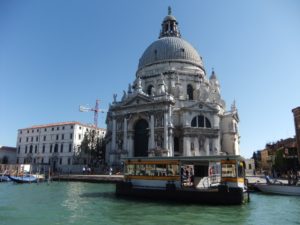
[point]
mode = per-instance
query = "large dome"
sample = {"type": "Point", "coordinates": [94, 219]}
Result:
{"type": "Point", "coordinates": [170, 49]}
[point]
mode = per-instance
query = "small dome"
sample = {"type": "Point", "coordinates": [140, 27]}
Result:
{"type": "Point", "coordinates": [169, 17]}
{"type": "Point", "coordinates": [168, 49]}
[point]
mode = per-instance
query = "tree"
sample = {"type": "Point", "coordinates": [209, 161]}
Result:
{"type": "Point", "coordinates": [92, 148]}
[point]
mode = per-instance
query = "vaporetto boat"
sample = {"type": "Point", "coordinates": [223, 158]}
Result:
{"type": "Point", "coordinates": [201, 180]}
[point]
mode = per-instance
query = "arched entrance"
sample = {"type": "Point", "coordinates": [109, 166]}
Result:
{"type": "Point", "coordinates": [141, 138]}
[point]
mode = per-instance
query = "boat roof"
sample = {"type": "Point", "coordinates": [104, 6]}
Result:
{"type": "Point", "coordinates": [215, 158]}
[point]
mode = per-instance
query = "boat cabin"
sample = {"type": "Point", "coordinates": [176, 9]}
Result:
{"type": "Point", "coordinates": [185, 172]}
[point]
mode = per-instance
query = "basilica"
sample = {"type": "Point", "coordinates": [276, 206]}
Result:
{"type": "Point", "coordinates": [172, 108]}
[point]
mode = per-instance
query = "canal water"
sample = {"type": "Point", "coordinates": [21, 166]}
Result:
{"type": "Point", "coordinates": [86, 203]}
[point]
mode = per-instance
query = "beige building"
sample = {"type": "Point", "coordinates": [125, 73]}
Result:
{"type": "Point", "coordinates": [266, 160]}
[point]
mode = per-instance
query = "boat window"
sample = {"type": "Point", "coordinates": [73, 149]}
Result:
{"type": "Point", "coordinates": [173, 170]}
{"type": "Point", "coordinates": [140, 170]}
{"type": "Point", "coordinates": [130, 170]}
{"type": "Point", "coordinates": [228, 170]}
{"type": "Point", "coordinates": [161, 170]}
{"type": "Point", "coordinates": [150, 170]}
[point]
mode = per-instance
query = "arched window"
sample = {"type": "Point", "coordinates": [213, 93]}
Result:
{"type": "Point", "coordinates": [194, 122]}
{"type": "Point", "coordinates": [207, 123]}
{"type": "Point", "coordinates": [30, 149]}
{"type": "Point", "coordinates": [149, 89]}
{"type": "Point", "coordinates": [200, 121]}
{"type": "Point", "coordinates": [190, 91]}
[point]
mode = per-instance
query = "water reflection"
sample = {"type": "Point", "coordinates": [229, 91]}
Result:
{"type": "Point", "coordinates": [85, 203]}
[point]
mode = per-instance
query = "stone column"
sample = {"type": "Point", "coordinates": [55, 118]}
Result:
{"type": "Point", "coordinates": [186, 146]}
{"type": "Point", "coordinates": [125, 134]}
{"type": "Point", "coordinates": [206, 146]}
{"type": "Point", "coordinates": [152, 142]}
{"type": "Point", "coordinates": [113, 139]}
{"type": "Point", "coordinates": [130, 145]}
{"type": "Point", "coordinates": [216, 146]}
{"type": "Point", "coordinates": [166, 131]}
{"type": "Point", "coordinates": [171, 140]}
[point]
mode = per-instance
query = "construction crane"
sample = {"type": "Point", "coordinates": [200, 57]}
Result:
{"type": "Point", "coordinates": [96, 110]}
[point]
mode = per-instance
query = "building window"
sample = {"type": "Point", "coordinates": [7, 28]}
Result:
{"type": "Point", "coordinates": [87, 129]}
{"type": "Point", "coordinates": [61, 147]}
{"type": "Point", "coordinates": [250, 167]}
{"type": "Point", "coordinates": [27, 139]}
{"type": "Point", "coordinates": [60, 161]}
{"type": "Point", "coordinates": [200, 121]}
{"type": "Point", "coordinates": [43, 148]}
{"type": "Point", "coordinates": [63, 127]}
{"type": "Point", "coordinates": [70, 147]}
{"type": "Point", "coordinates": [71, 136]}
{"type": "Point", "coordinates": [44, 137]}
{"type": "Point", "coordinates": [20, 139]}
{"type": "Point", "coordinates": [31, 139]}
{"type": "Point", "coordinates": [57, 128]}
{"type": "Point", "coordinates": [52, 128]}
{"type": "Point", "coordinates": [42, 160]}
{"type": "Point", "coordinates": [51, 148]}
{"type": "Point", "coordinates": [45, 129]}
{"type": "Point", "coordinates": [37, 130]}
{"type": "Point", "coordinates": [30, 149]}
{"type": "Point", "coordinates": [56, 148]}
{"type": "Point", "coordinates": [34, 160]}
{"type": "Point", "coordinates": [19, 148]}
{"type": "Point", "coordinates": [149, 90]}
{"type": "Point", "coordinates": [25, 149]}
{"type": "Point", "coordinates": [27, 131]}
{"type": "Point", "coordinates": [62, 137]}
{"type": "Point", "coordinates": [190, 91]}
{"type": "Point", "coordinates": [20, 132]}
{"type": "Point", "coordinates": [35, 149]}
{"type": "Point", "coordinates": [79, 128]}
{"type": "Point", "coordinates": [71, 126]}
{"type": "Point", "coordinates": [69, 161]}
{"type": "Point", "coordinates": [79, 136]}
{"type": "Point", "coordinates": [37, 139]}
{"type": "Point", "coordinates": [57, 137]}
{"type": "Point", "coordinates": [17, 160]}
{"type": "Point", "coordinates": [32, 131]}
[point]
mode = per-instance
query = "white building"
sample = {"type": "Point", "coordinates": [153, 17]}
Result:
{"type": "Point", "coordinates": [172, 108]}
{"type": "Point", "coordinates": [54, 144]}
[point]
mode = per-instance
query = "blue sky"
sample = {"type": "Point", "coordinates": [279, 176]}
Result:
{"type": "Point", "coordinates": [56, 55]}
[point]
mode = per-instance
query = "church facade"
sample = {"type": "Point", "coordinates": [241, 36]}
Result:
{"type": "Point", "coordinates": [172, 108]}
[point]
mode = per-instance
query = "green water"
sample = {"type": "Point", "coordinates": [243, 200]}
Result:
{"type": "Point", "coordinates": [85, 203]}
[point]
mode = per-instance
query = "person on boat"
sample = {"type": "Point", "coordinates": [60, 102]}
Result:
{"type": "Point", "coordinates": [83, 170]}
{"type": "Point", "coordinates": [191, 177]}
{"type": "Point", "coordinates": [182, 175]}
